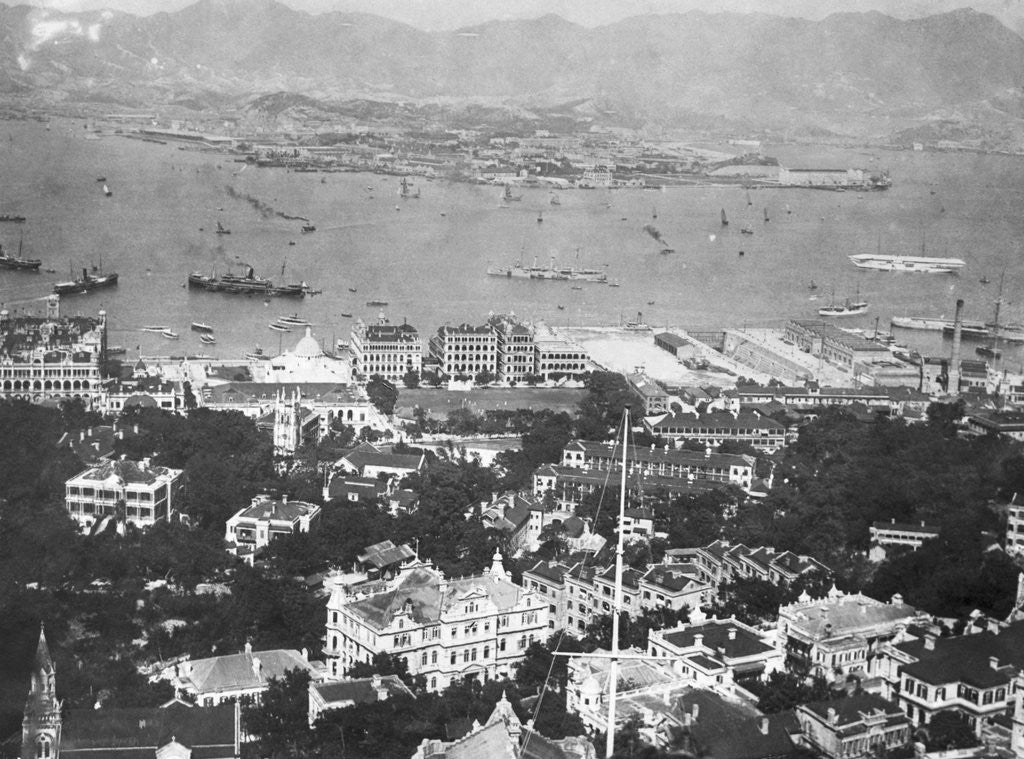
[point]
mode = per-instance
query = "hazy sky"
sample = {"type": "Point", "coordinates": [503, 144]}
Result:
{"type": "Point", "coordinates": [449, 14]}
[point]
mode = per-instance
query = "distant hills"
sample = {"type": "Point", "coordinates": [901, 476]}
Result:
{"type": "Point", "coordinates": [849, 74]}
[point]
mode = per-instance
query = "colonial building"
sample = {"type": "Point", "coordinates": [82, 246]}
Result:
{"type": "Point", "coordinates": [389, 350]}
{"type": "Point", "coordinates": [52, 357]}
{"type": "Point", "coordinates": [721, 562]}
{"type": "Point", "coordinates": [332, 402]}
{"type": "Point", "coordinates": [516, 348]}
{"type": "Point", "coordinates": [253, 527]}
{"type": "Point", "coordinates": [466, 350]}
{"type": "Point", "coordinates": [971, 674]}
{"type": "Point", "coordinates": [175, 730]}
{"type": "Point", "coordinates": [1015, 528]}
{"type": "Point", "coordinates": [859, 725]}
{"type": "Point", "coordinates": [446, 630]}
{"type": "Point", "coordinates": [241, 677]}
{"type": "Point", "coordinates": [340, 694]}
{"type": "Point", "coordinates": [835, 635]}
{"type": "Point", "coordinates": [653, 398]}
{"type": "Point", "coordinates": [135, 491]}
{"type": "Point", "coordinates": [892, 534]}
{"type": "Point", "coordinates": [568, 485]}
{"type": "Point", "coordinates": [663, 462]}
{"type": "Point", "coordinates": [716, 427]}
{"type": "Point", "coordinates": [367, 460]}
{"type": "Point", "coordinates": [716, 651]}
{"type": "Point", "coordinates": [294, 424]}
{"type": "Point", "coordinates": [556, 358]}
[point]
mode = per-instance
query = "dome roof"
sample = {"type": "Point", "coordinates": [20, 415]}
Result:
{"type": "Point", "coordinates": [308, 347]}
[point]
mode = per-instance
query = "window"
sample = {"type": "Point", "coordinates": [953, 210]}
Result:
{"type": "Point", "coordinates": [454, 655]}
{"type": "Point", "coordinates": [433, 683]}
{"type": "Point", "coordinates": [433, 657]}
{"type": "Point", "coordinates": [501, 645]}
{"type": "Point", "coordinates": [423, 659]}
{"type": "Point", "coordinates": [487, 652]}
{"type": "Point", "coordinates": [465, 656]}
{"type": "Point", "coordinates": [334, 617]}
{"type": "Point", "coordinates": [43, 747]}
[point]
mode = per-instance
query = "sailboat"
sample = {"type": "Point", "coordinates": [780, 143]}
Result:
{"type": "Point", "coordinates": [849, 308]}
{"type": "Point", "coordinates": [222, 230]}
{"type": "Point", "coordinates": [540, 216]}
{"type": "Point", "coordinates": [106, 191]}
{"type": "Point", "coordinates": [553, 200]}
{"type": "Point", "coordinates": [7, 261]}
{"type": "Point", "coordinates": [749, 201]}
{"type": "Point", "coordinates": [725, 221]}
{"type": "Point", "coordinates": [766, 219]}
{"type": "Point", "coordinates": [1009, 332]}
{"type": "Point", "coordinates": [508, 196]}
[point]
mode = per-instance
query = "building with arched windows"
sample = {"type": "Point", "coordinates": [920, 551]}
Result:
{"type": "Point", "coordinates": [390, 350]}
{"type": "Point", "coordinates": [52, 358]}
{"type": "Point", "coordinates": [446, 630]}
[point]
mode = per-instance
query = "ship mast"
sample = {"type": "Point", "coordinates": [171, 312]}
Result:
{"type": "Point", "coordinates": [613, 671]}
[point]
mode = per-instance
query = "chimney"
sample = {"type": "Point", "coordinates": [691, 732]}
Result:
{"type": "Point", "coordinates": [929, 642]}
{"type": "Point", "coordinates": [248, 648]}
{"type": "Point", "coordinates": [993, 662]}
{"type": "Point", "coordinates": [81, 436]}
{"type": "Point", "coordinates": [695, 712]}
{"type": "Point", "coordinates": [732, 633]}
{"type": "Point", "coordinates": [698, 640]}
{"type": "Point", "coordinates": [305, 654]}
{"type": "Point", "coordinates": [833, 718]}
{"type": "Point", "coordinates": [135, 429]}
{"type": "Point", "coordinates": [257, 667]}
{"type": "Point", "coordinates": [764, 726]}
{"type": "Point", "coordinates": [284, 498]}
{"type": "Point", "coordinates": [953, 375]}
{"type": "Point", "coordinates": [897, 599]}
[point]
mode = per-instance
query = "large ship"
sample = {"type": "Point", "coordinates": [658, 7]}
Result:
{"type": "Point", "coordinates": [86, 283]}
{"type": "Point", "coordinates": [854, 307]}
{"type": "Point", "coordinates": [8, 261]}
{"type": "Point", "coordinates": [551, 271]}
{"type": "Point", "coordinates": [245, 284]}
{"type": "Point", "coordinates": [923, 264]}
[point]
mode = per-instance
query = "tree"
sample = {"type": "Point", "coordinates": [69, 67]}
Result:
{"type": "Point", "coordinates": [383, 394]}
{"type": "Point", "coordinates": [949, 730]}
{"type": "Point", "coordinates": [280, 721]}
{"type": "Point", "coordinates": [484, 377]}
{"type": "Point", "coordinates": [411, 379]}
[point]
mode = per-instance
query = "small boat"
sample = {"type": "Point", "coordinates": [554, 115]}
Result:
{"type": "Point", "coordinates": [293, 321]}
{"type": "Point", "coordinates": [766, 219]}
{"type": "Point", "coordinates": [561, 307]}
{"type": "Point", "coordinates": [222, 230]}
{"type": "Point", "coordinates": [352, 290]}
{"type": "Point", "coordinates": [207, 339]}
{"type": "Point", "coordinates": [654, 213]}
{"type": "Point", "coordinates": [553, 200]}
{"type": "Point", "coordinates": [257, 354]}
{"type": "Point", "coordinates": [508, 196]}
{"type": "Point", "coordinates": [155, 328]}
{"type": "Point", "coordinates": [614, 284]}
{"type": "Point", "coordinates": [376, 302]}
{"type": "Point", "coordinates": [201, 327]}
{"type": "Point", "coordinates": [346, 315]}
{"type": "Point", "coordinates": [666, 251]}
{"type": "Point", "coordinates": [746, 229]}
{"type": "Point", "coordinates": [106, 191]}
{"type": "Point", "coordinates": [577, 287]}
{"type": "Point", "coordinates": [540, 216]}
{"type": "Point", "coordinates": [812, 286]}
{"type": "Point", "coordinates": [101, 179]}
{"type": "Point", "coordinates": [749, 201]}
{"type": "Point", "coordinates": [12, 218]}
{"type": "Point", "coordinates": [169, 334]}
{"type": "Point", "coordinates": [291, 242]}
{"type": "Point", "coordinates": [725, 220]}
{"type": "Point", "coordinates": [308, 228]}
{"type": "Point", "coordinates": [984, 280]}
{"type": "Point", "coordinates": [989, 351]}
{"type": "Point", "coordinates": [116, 350]}
{"type": "Point", "coordinates": [650, 303]}
{"type": "Point", "coordinates": [788, 209]}
{"type": "Point", "coordinates": [279, 327]}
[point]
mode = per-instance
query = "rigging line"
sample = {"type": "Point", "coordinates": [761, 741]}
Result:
{"type": "Point", "coordinates": [582, 566]}
{"type": "Point", "coordinates": [562, 632]}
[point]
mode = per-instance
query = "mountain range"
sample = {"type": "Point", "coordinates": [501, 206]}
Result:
{"type": "Point", "coordinates": [848, 73]}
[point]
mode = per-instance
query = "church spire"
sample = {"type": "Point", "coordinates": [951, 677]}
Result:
{"type": "Point", "coordinates": [41, 726]}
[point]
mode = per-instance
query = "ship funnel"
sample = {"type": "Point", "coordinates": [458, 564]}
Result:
{"type": "Point", "coordinates": [953, 383]}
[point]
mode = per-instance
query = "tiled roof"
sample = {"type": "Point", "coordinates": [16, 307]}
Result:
{"type": "Point", "coordinates": [420, 588]}
{"type": "Point", "coordinates": [920, 527]}
{"type": "Point", "coordinates": [732, 730]}
{"type": "Point", "coordinates": [833, 617]}
{"type": "Point", "coordinates": [719, 420]}
{"type": "Point", "coordinates": [128, 472]}
{"type": "Point", "coordinates": [965, 658]}
{"type": "Point", "coordinates": [553, 571]}
{"type": "Point", "coordinates": [850, 711]}
{"type": "Point", "coordinates": [286, 511]}
{"type": "Point", "coordinates": [716, 638]}
{"type": "Point", "coordinates": [369, 455]}
{"type": "Point", "coordinates": [363, 485]}
{"type": "Point", "coordinates": [238, 671]}
{"type": "Point", "coordinates": [257, 392]}
{"type": "Point", "coordinates": [208, 731]}
{"type": "Point", "coordinates": [385, 554]}
{"type": "Point", "coordinates": [654, 455]}
{"type": "Point", "coordinates": [359, 691]}
{"type": "Point", "coordinates": [672, 578]}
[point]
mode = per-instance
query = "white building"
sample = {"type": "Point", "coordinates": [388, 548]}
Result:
{"type": "Point", "coordinates": [253, 527]}
{"type": "Point", "coordinates": [136, 491]}
{"type": "Point", "coordinates": [306, 362]}
{"type": "Point", "coordinates": [446, 630]}
{"type": "Point", "coordinates": [390, 350]}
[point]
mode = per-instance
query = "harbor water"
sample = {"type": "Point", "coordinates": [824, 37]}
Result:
{"type": "Point", "coordinates": [427, 256]}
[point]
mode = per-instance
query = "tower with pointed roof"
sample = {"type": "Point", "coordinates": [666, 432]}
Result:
{"type": "Point", "coordinates": [40, 729]}
{"type": "Point", "coordinates": [287, 423]}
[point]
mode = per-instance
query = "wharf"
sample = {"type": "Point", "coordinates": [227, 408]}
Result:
{"type": "Point", "coordinates": [934, 325]}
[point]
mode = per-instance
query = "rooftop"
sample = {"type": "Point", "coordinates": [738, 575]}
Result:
{"type": "Point", "coordinates": [967, 658]}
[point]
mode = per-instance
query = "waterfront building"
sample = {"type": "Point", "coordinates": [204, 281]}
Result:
{"type": "Point", "coordinates": [840, 348]}
{"type": "Point", "coordinates": [52, 357]}
{"type": "Point", "coordinates": [653, 398]}
{"type": "Point", "coordinates": [474, 627]}
{"type": "Point", "coordinates": [134, 491]}
{"type": "Point", "coordinates": [886, 535]}
{"type": "Point", "coordinates": [708, 652]}
{"type": "Point", "coordinates": [556, 358]}
{"type": "Point", "coordinates": [253, 527]}
{"type": "Point", "coordinates": [677, 463]}
{"type": "Point", "coordinates": [386, 349]}
{"type": "Point", "coordinates": [715, 427]}
{"type": "Point", "coordinates": [516, 348]}
{"type": "Point", "coordinates": [305, 363]}
{"type": "Point", "coordinates": [466, 350]}
{"type": "Point", "coordinates": [238, 677]}
{"type": "Point", "coordinates": [836, 635]}
{"type": "Point", "coordinates": [971, 674]}
{"type": "Point", "coordinates": [862, 724]}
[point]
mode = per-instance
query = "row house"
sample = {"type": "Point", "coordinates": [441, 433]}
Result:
{"type": "Point", "coordinates": [516, 348]}
{"type": "Point", "coordinates": [972, 674]}
{"type": "Point", "coordinates": [892, 400]}
{"type": "Point", "coordinates": [385, 349]}
{"type": "Point", "coordinates": [710, 652]}
{"type": "Point", "coordinates": [837, 634]}
{"type": "Point", "coordinates": [135, 491]}
{"type": "Point", "coordinates": [555, 359]}
{"type": "Point", "coordinates": [713, 428]}
{"type": "Point", "coordinates": [447, 630]}
{"type": "Point", "coordinates": [721, 562]}
{"type": "Point", "coordinates": [670, 462]}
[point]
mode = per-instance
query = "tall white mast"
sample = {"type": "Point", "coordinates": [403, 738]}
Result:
{"type": "Point", "coordinates": [613, 670]}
